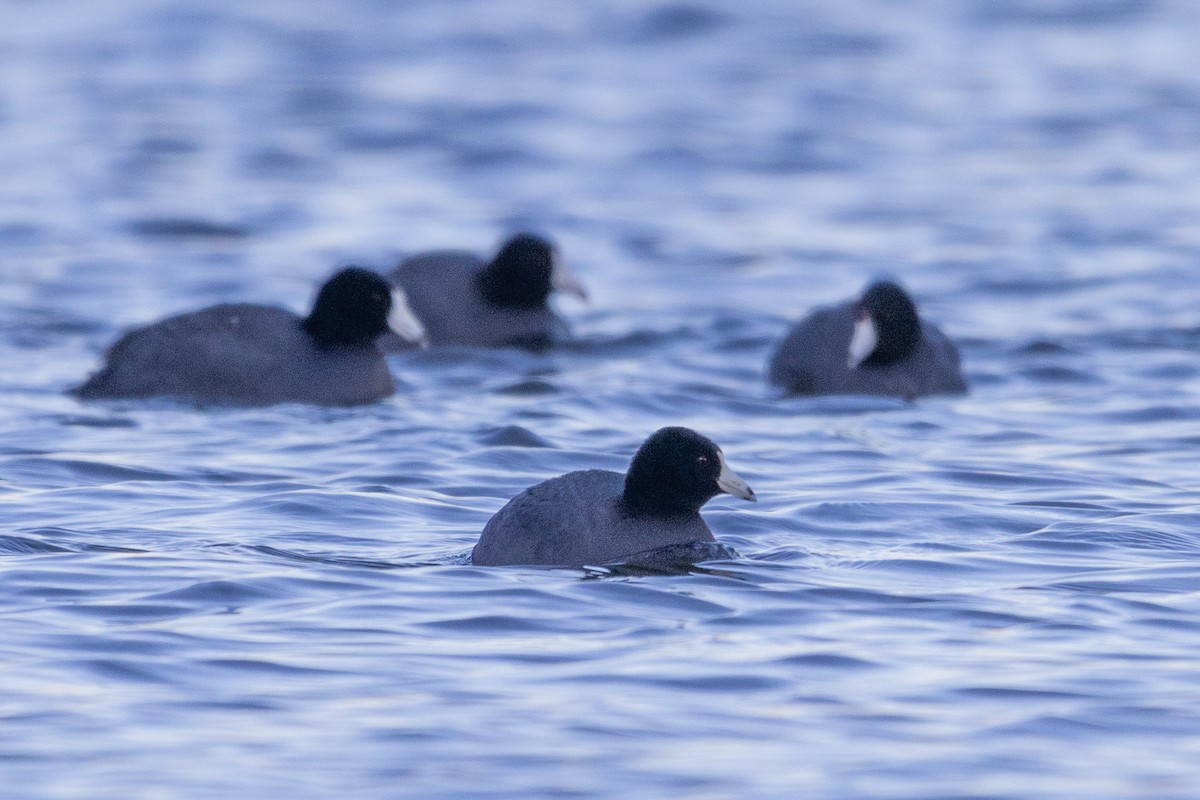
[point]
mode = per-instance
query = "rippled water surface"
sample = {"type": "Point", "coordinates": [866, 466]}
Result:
{"type": "Point", "coordinates": [994, 596]}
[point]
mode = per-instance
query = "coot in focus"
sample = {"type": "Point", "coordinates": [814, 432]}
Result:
{"type": "Point", "coordinates": [598, 516]}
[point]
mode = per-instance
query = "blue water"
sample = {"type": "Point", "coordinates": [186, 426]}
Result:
{"type": "Point", "coordinates": [994, 596]}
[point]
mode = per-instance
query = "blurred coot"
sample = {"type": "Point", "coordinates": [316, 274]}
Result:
{"type": "Point", "coordinates": [875, 345]}
{"type": "Point", "coordinates": [247, 354]}
{"type": "Point", "coordinates": [461, 298]}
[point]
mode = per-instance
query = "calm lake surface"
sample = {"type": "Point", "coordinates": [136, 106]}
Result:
{"type": "Point", "coordinates": [995, 596]}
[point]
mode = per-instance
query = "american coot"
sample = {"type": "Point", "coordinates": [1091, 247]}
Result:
{"type": "Point", "coordinates": [245, 354]}
{"type": "Point", "coordinates": [875, 345]}
{"type": "Point", "coordinates": [461, 299]}
{"type": "Point", "coordinates": [598, 516]}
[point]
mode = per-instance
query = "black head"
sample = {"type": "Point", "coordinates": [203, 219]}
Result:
{"type": "Point", "coordinates": [351, 308]}
{"type": "Point", "coordinates": [897, 327]}
{"type": "Point", "coordinates": [522, 273]}
{"type": "Point", "coordinates": [676, 471]}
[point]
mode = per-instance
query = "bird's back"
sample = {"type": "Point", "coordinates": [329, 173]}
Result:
{"type": "Point", "coordinates": [578, 519]}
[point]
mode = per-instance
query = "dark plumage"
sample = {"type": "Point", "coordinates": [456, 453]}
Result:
{"type": "Point", "coordinates": [875, 345]}
{"type": "Point", "coordinates": [245, 354]}
{"type": "Point", "coordinates": [598, 516]}
{"type": "Point", "coordinates": [461, 299]}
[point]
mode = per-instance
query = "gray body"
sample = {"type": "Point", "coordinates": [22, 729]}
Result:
{"type": "Point", "coordinates": [240, 354]}
{"type": "Point", "coordinates": [442, 292]}
{"type": "Point", "coordinates": [812, 359]}
{"type": "Point", "coordinates": [578, 519]}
